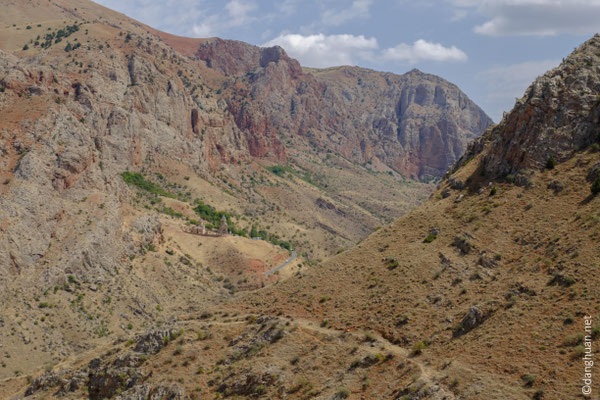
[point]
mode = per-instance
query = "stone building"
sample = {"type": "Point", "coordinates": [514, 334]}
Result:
{"type": "Point", "coordinates": [223, 230]}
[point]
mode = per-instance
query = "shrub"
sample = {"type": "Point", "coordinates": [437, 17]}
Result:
{"type": "Point", "coordinates": [369, 337]}
{"type": "Point", "coordinates": [343, 393]}
{"type": "Point", "coordinates": [493, 191]}
{"type": "Point", "coordinates": [138, 180]}
{"type": "Point", "coordinates": [392, 263]}
{"type": "Point", "coordinates": [561, 280]}
{"type": "Point", "coordinates": [278, 170]}
{"type": "Point", "coordinates": [574, 340]}
{"type": "Point", "coordinates": [578, 351]}
{"type": "Point", "coordinates": [169, 211]}
{"type": "Point", "coordinates": [26, 47]}
{"type": "Point", "coordinates": [529, 380]}
{"type": "Point", "coordinates": [302, 383]}
{"type": "Point", "coordinates": [402, 320]}
{"type": "Point", "coordinates": [418, 348]}
{"type": "Point", "coordinates": [430, 238]}
{"type": "Point", "coordinates": [595, 188]}
{"type": "Point", "coordinates": [550, 163]}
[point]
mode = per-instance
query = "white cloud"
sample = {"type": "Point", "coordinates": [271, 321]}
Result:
{"type": "Point", "coordinates": [238, 14]}
{"type": "Point", "coordinates": [359, 8]}
{"type": "Point", "coordinates": [422, 50]}
{"type": "Point", "coordinates": [535, 17]}
{"type": "Point", "coordinates": [207, 27]}
{"type": "Point", "coordinates": [458, 15]}
{"type": "Point", "coordinates": [325, 50]}
{"type": "Point", "coordinates": [169, 15]}
{"type": "Point", "coordinates": [321, 50]}
{"type": "Point", "coordinates": [239, 11]}
{"type": "Point", "coordinates": [287, 7]}
{"type": "Point", "coordinates": [506, 83]}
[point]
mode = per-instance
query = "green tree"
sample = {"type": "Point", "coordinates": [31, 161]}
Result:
{"type": "Point", "coordinates": [551, 163]}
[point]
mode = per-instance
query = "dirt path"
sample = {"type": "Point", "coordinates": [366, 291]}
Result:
{"type": "Point", "coordinates": [428, 375]}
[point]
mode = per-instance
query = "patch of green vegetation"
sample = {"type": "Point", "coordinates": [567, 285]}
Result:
{"type": "Point", "coordinates": [430, 238]}
{"type": "Point", "coordinates": [419, 347]}
{"type": "Point", "coordinates": [210, 215]}
{"type": "Point", "coordinates": [551, 162]}
{"type": "Point", "coordinates": [574, 340]}
{"type": "Point", "coordinates": [57, 36]}
{"type": "Point", "coordinates": [70, 47]}
{"type": "Point", "coordinates": [279, 170]}
{"type": "Point", "coordinates": [169, 211]}
{"type": "Point", "coordinates": [343, 393]}
{"type": "Point", "coordinates": [392, 263]}
{"type": "Point", "coordinates": [302, 173]}
{"type": "Point", "coordinates": [528, 379]}
{"type": "Point", "coordinates": [270, 237]}
{"type": "Point", "coordinates": [138, 180]}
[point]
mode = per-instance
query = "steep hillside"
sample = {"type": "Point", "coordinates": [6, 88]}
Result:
{"type": "Point", "coordinates": [482, 292]}
{"type": "Point", "coordinates": [491, 279]}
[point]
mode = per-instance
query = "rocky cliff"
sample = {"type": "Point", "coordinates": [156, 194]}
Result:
{"type": "Point", "coordinates": [417, 124]}
{"type": "Point", "coordinates": [558, 115]}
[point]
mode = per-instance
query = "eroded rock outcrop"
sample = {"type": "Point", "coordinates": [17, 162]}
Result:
{"type": "Point", "coordinates": [558, 115]}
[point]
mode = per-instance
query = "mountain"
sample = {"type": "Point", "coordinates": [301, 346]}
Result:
{"type": "Point", "coordinates": [117, 139]}
{"type": "Point", "coordinates": [417, 124]}
{"type": "Point", "coordinates": [487, 290]}
{"type": "Point", "coordinates": [221, 111]}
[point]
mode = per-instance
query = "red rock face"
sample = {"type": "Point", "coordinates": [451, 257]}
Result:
{"type": "Point", "coordinates": [417, 124]}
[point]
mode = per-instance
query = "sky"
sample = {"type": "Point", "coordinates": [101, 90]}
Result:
{"type": "Point", "coordinates": [491, 49]}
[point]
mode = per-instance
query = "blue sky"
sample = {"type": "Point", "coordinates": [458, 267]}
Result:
{"type": "Point", "coordinates": [491, 49]}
